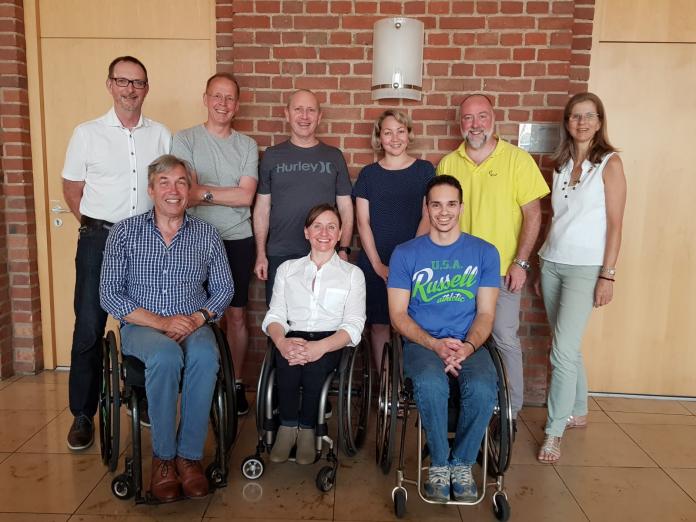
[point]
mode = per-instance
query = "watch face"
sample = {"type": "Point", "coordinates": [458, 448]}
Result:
{"type": "Point", "coordinates": [208, 196]}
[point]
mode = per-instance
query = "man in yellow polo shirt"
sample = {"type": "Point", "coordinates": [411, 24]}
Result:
{"type": "Point", "coordinates": [502, 186]}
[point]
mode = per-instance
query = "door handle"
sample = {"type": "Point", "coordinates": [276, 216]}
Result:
{"type": "Point", "coordinates": [58, 209]}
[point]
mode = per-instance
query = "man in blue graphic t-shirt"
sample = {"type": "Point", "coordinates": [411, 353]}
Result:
{"type": "Point", "coordinates": [442, 293]}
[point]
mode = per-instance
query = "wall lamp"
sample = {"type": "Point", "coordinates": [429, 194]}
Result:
{"type": "Point", "coordinates": [397, 59]}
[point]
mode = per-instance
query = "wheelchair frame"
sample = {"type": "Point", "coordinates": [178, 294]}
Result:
{"type": "Point", "coordinates": [395, 402]}
{"type": "Point", "coordinates": [351, 382]}
{"type": "Point", "coordinates": [223, 416]}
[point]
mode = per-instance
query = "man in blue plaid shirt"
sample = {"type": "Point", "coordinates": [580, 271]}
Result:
{"type": "Point", "coordinates": [165, 275]}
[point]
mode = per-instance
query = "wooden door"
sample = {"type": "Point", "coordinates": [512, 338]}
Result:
{"type": "Point", "coordinates": [643, 342]}
{"type": "Point", "coordinates": [76, 41]}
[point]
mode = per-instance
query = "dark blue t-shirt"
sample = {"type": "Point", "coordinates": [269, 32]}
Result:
{"type": "Point", "coordinates": [444, 280]}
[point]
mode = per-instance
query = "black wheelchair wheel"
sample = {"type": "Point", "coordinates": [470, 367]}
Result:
{"type": "Point", "coordinates": [387, 409]}
{"type": "Point", "coordinates": [399, 502]}
{"type": "Point", "coordinates": [110, 403]}
{"type": "Point", "coordinates": [122, 487]}
{"type": "Point", "coordinates": [225, 397]}
{"type": "Point", "coordinates": [326, 479]}
{"type": "Point", "coordinates": [500, 426]}
{"type": "Point", "coordinates": [501, 507]}
{"type": "Point", "coordinates": [262, 387]}
{"type": "Point", "coordinates": [354, 397]}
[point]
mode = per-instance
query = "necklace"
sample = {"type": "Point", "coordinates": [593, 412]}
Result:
{"type": "Point", "coordinates": [569, 183]}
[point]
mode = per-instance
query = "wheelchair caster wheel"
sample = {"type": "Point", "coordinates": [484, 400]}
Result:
{"type": "Point", "coordinates": [326, 478]}
{"type": "Point", "coordinates": [399, 496]}
{"type": "Point", "coordinates": [122, 487]}
{"type": "Point", "coordinates": [216, 477]}
{"type": "Point", "coordinates": [501, 507]}
{"type": "Point", "coordinates": [252, 467]}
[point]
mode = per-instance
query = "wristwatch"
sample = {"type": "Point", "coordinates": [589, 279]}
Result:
{"type": "Point", "coordinates": [347, 250]}
{"type": "Point", "coordinates": [524, 265]}
{"type": "Point", "coordinates": [609, 271]}
{"type": "Point", "coordinates": [208, 197]}
{"type": "Point", "coordinates": [205, 314]}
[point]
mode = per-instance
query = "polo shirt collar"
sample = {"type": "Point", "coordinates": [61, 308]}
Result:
{"type": "Point", "coordinates": [150, 218]}
{"type": "Point", "coordinates": [461, 150]}
{"type": "Point", "coordinates": [112, 120]}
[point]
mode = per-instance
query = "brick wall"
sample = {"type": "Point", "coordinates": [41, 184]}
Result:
{"type": "Point", "coordinates": [527, 54]}
{"type": "Point", "coordinates": [20, 311]}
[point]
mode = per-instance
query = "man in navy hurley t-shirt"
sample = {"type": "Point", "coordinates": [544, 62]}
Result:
{"type": "Point", "coordinates": [442, 293]}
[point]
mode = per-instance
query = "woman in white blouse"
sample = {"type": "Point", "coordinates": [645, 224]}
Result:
{"type": "Point", "coordinates": [317, 308]}
{"type": "Point", "coordinates": [579, 256]}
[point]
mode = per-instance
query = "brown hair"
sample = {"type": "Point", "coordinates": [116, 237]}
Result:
{"type": "Point", "coordinates": [599, 146]}
{"type": "Point", "coordinates": [130, 59]}
{"type": "Point", "coordinates": [317, 210]}
{"type": "Point", "coordinates": [399, 116]}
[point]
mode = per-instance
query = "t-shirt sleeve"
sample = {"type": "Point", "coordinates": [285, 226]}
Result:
{"type": "Point", "coordinates": [530, 183]}
{"type": "Point", "coordinates": [265, 174]}
{"type": "Point", "coordinates": [490, 266]}
{"type": "Point", "coordinates": [343, 185]}
{"type": "Point", "coordinates": [428, 174]}
{"type": "Point", "coordinates": [251, 168]}
{"type": "Point", "coordinates": [182, 147]}
{"type": "Point", "coordinates": [75, 167]}
{"type": "Point", "coordinates": [399, 272]}
{"type": "Point", "coordinates": [360, 188]}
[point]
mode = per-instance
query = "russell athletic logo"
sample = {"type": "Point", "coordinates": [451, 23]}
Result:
{"type": "Point", "coordinates": [445, 289]}
{"type": "Point", "coordinates": [320, 167]}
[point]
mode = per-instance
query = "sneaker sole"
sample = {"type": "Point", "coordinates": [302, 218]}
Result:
{"type": "Point", "coordinates": [80, 448]}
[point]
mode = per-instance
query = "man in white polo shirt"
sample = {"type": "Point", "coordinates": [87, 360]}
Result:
{"type": "Point", "coordinates": [104, 181]}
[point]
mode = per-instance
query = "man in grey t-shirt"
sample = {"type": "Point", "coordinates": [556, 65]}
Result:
{"type": "Point", "coordinates": [294, 176]}
{"type": "Point", "coordinates": [225, 164]}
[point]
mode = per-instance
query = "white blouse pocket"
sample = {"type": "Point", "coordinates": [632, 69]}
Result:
{"type": "Point", "coordinates": [334, 300]}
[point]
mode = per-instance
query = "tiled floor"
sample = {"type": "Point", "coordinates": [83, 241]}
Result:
{"type": "Point", "coordinates": [635, 462]}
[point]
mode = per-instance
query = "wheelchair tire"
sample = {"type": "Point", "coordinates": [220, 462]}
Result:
{"type": "Point", "coordinates": [388, 405]}
{"type": "Point", "coordinates": [122, 487]}
{"type": "Point", "coordinates": [226, 398]}
{"type": "Point", "coordinates": [262, 386]}
{"type": "Point", "coordinates": [252, 467]}
{"type": "Point", "coordinates": [110, 403]}
{"type": "Point", "coordinates": [500, 427]}
{"type": "Point", "coordinates": [354, 397]}
{"type": "Point", "coordinates": [501, 507]}
{"type": "Point", "coordinates": [326, 478]}
{"type": "Point", "coordinates": [217, 478]}
{"type": "Point", "coordinates": [399, 496]}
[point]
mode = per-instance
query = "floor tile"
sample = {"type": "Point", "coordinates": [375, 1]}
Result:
{"type": "Point", "coordinates": [535, 494]}
{"type": "Point", "coordinates": [635, 494]}
{"type": "Point", "coordinates": [592, 404]}
{"type": "Point", "coordinates": [621, 417]}
{"type": "Point", "coordinates": [3, 456]}
{"type": "Point", "coordinates": [671, 446]}
{"type": "Point", "coordinates": [689, 405]}
{"type": "Point", "coordinates": [32, 517]}
{"type": "Point", "coordinates": [686, 478]}
{"type": "Point", "coordinates": [21, 396]}
{"type": "Point", "coordinates": [525, 448]}
{"type": "Point", "coordinates": [47, 483]}
{"type": "Point", "coordinates": [641, 405]}
{"type": "Point", "coordinates": [47, 377]}
{"type": "Point", "coordinates": [600, 444]}
{"type": "Point", "coordinates": [102, 503]}
{"type": "Point", "coordinates": [539, 414]}
{"type": "Point", "coordinates": [364, 493]}
{"type": "Point", "coordinates": [4, 383]}
{"type": "Point", "coordinates": [17, 427]}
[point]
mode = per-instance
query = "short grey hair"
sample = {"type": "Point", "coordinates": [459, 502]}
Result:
{"type": "Point", "coordinates": [165, 163]}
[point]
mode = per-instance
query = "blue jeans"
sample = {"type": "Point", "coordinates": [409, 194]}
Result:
{"type": "Point", "coordinates": [90, 321]}
{"type": "Point", "coordinates": [164, 359]}
{"type": "Point", "coordinates": [478, 386]}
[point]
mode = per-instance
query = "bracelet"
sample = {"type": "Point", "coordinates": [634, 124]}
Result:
{"type": "Point", "coordinates": [606, 278]}
{"type": "Point", "coordinates": [472, 345]}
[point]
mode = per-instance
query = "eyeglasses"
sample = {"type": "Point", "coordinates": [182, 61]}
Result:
{"type": "Point", "coordinates": [219, 98]}
{"type": "Point", "coordinates": [124, 82]}
{"type": "Point", "coordinates": [589, 116]}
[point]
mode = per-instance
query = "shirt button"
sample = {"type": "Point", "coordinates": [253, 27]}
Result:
{"type": "Point", "coordinates": [133, 171]}
{"type": "Point", "coordinates": [133, 208]}
{"type": "Point", "coordinates": [133, 189]}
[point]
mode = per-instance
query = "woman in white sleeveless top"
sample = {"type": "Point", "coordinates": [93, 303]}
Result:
{"type": "Point", "coordinates": [579, 255]}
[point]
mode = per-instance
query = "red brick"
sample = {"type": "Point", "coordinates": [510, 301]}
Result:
{"type": "Point", "coordinates": [534, 69]}
{"type": "Point", "coordinates": [546, 85]}
{"type": "Point", "coordinates": [462, 22]}
{"type": "Point", "coordinates": [438, 7]}
{"type": "Point", "coordinates": [316, 6]}
{"type": "Point", "coordinates": [267, 67]}
{"type": "Point", "coordinates": [511, 39]}
{"type": "Point", "coordinates": [485, 69]}
{"type": "Point", "coordinates": [341, 7]}
{"type": "Point", "coordinates": [342, 53]}
{"type": "Point", "coordinates": [524, 53]}
{"type": "Point", "coordinates": [363, 7]}
{"type": "Point", "coordinates": [390, 8]}
{"type": "Point", "coordinates": [295, 52]}
{"type": "Point", "coordinates": [316, 22]}
{"type": "Point", "coordinates": [486, 7]}
{"type": "Point", "coordinates": [413, 8]}
{"type": "Point", "coordinates": [559, 55]}
{"type": "Point", "coordinates": [437, 69]}
{"type": "Point", "coordinates": [359, 22]}
{"type": "Point", "coordinates": [248, 52]}
{"type": "Point", "coordinates": [511, 22]}
{"type": "Point", "coordinates": [512, 7]}
{"type": "Point", "coordinates": [537, 7]}
{"type": "Point", "coordinates": [490, 54]}
{"type": "Point", "coordinates": [510, 69]}
{"type": "Point", "coordinates": [462, 69]}
{"type": "Point", "coordinates": [292, 6]}
{"type": "Point", "coordinates": [500, 85]}
{"type": "Point", "coordinates": [438, 38]}
{"type": "Point", "coordinates": [267, 37]}
{"type": "Point", "coordinates": [560, 7]}
{"type": "Point", "coordinates": [535, 38]}
{"type": "Point", "coordinates": [440, 53]}
{"type": "Point", "coordinates": [258, 22]}
{"type": "Point", "coordinates": [339, 68]}
{"type": "Point", "coordinates": [337, 38]}
{"type": "Point", "coordinates": [487, 38]}
{"type": "Point", "coordinates": [292, 37]}
{"type": "Point", "coordinates": [464, 38]}
{"type": "Point", "coordinates": [459, 8]}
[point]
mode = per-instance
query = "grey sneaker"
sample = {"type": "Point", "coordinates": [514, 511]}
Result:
{"type": "Point", "coordinates": [463, 485]}
{"type": "Point", "coordinates": [437, 487]}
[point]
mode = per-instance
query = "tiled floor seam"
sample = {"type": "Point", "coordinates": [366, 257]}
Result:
{"type": "Point", "coordinates": [572, 494]}
{"type": "Point", "coordinates": [637, 444]}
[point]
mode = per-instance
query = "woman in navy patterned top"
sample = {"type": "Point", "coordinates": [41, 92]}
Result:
{"type": "Point", "coordinates": [389, 200]}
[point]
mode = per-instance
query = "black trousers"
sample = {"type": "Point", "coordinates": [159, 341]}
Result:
{"type": "Point", "coordinates": [310, 378]}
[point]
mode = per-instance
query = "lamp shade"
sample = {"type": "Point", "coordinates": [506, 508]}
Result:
{"type": "Point", "coordinates": [397, 59]}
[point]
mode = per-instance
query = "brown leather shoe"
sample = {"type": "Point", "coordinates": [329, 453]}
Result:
{"type": "Point", "coordinates": [193, 480]}
{"type": "Point", "coordinates": [164, 483]}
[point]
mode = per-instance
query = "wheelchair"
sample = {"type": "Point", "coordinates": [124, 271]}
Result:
{"type": "Point", "coordinates": [350, 382]}
{"type": "Point", "coordinates": [123, 382]}
{"type": "Point", "coordinates": [395, 402]}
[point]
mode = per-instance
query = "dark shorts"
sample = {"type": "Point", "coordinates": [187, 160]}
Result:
{"type": "Point", "coordinates": [241, 254]}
